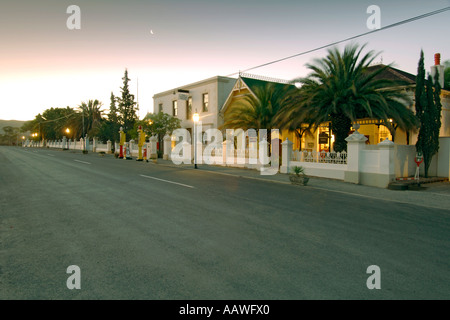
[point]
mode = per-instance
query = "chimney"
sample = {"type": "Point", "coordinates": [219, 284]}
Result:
{"type": "Point", "coordinates": [437, 59]}
{"type": "Point", "coordinates": [438, 68]}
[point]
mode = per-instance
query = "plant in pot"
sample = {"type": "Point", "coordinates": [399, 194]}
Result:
{"type": "Point", "coordinates": [299, 176]}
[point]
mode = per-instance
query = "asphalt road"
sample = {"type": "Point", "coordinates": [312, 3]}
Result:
{"type": "Point", "coordinates": [139, 230]}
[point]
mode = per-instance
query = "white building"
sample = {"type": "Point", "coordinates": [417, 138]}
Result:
{"type": "Point", "coordinates": [205, 97]}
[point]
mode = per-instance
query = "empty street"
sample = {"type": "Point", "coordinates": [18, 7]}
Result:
{"type": "Point", "coordinates": [140, 230]}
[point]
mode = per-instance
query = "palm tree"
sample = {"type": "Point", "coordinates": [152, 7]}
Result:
{"type": "Point", "coordinates": [340, 89]}
{"type": "Point", "coordinates": [92, 115]}
{"type": "Point", "coordinates": [258, 111]}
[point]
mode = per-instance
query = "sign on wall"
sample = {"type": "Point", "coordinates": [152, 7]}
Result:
{"type": "Point", "coordinates": [323, 138]}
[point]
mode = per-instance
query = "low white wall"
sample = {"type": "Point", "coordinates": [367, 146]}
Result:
{"type": "Point", "coordinates": [370, 161]}
{"type": "Point", "coordinates": [322, 170]}
{"type": "Point", "coordinates": [405, 166]}
{"type": "Point", "coordinates": [101, 148]}
{"type": "Point", "coordinates": [404, 161]}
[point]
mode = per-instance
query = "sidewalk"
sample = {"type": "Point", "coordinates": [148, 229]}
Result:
{"type": "Point", "coordinates": [433, 195]}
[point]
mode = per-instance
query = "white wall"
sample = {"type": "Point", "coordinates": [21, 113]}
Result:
{"type": "Point", "coordinates": [443, 158]}
{"type": "Point", "coordinates": [217, 88]}
{"type": "Point", "coordinates": [404, 161]}
{"type": "Point", "coordinates": [322, 170]}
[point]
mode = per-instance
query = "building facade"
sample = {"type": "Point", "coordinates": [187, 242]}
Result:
{"type": "Point", "coordinates": [322, 139]}
{"type": "Point", "coordinates": [205, 97]}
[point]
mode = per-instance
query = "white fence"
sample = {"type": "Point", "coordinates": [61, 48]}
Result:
{"type": "Point", "coordinates": [374, 165]}
{"type": "Point", "coordinates": [319, 157]}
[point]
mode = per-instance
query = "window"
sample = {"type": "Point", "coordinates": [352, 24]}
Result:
{"type": "Point", "coordinates": [160, 107]}
{"type": "Point", "coordinates": [383, 133]}
{"type": "Point", "coordinates": [189, 108]}
{"type": "Point", "coordinates": [175, 108]}
{"type": "Point", "coordinates": [205, 102]}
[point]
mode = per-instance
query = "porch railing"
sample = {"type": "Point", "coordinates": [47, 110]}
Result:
{"type": "Point", "coordinates": [320, 157]}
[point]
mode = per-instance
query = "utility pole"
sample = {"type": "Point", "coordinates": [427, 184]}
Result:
{"type": "Point", "coordinates": [82, 116]}
{"type": "Point", "coordinates": [137, 98]}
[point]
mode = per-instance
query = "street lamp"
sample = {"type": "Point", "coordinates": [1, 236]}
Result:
{"type": "Point", "coordinates": [195, 117]}
{"type": "Point", "coordinates": [67, 141]}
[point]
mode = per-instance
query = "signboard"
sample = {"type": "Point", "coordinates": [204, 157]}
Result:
{"type": "Point", "coordinates": [323, 138]}
{"type": "Point", "coordinates": [418, 159]}
{"type": "Point", "coordinates": [183, 96]}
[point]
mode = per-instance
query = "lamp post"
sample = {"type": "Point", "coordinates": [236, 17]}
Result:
{"type": "Point", "coordinates": [68, 132]}
{"type": "Point", "coordinates": [196, 117]}
{"type": "Point", "coordinates": [84, 138]}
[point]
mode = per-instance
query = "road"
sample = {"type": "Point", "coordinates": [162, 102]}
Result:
{"type": "Point", "coordinates": [140, 230]}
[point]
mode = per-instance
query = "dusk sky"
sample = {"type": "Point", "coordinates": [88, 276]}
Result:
{"type": "Point", "coordinates": [44, 64]}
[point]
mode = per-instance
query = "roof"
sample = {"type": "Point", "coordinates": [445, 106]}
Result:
{"type": "Point", "coordinates": [193, 85]}
{"type": "Point", "coordinates": [256, 83]}
{"type": "Point", "coordinates": [253, 81]}
{"type": "Point", "coordinates": [393, 74]}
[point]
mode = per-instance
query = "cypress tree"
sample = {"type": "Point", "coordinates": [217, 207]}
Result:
{"type": "Point", "coordinates": [112, 116]}
{"type": "Point", "coordinates": [126, 106]}
{"type": "Point", "coordinates": [428, 110]}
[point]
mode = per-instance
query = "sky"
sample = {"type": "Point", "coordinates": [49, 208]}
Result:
{"type": "Point", "coordinates": [165, 44]}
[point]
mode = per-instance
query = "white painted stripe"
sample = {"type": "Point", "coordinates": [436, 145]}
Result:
{"type": "Point", "coordinates": [180, 184]}
{"type": "Point", "coordinates": [51, 155]}
{"type": "Point", "coordinates": [82, 161]}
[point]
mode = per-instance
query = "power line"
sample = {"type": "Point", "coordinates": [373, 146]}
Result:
{"type": "Point", "coordinates": [51, 120]}
{"type": "Point", "coordinates": [347, 39]}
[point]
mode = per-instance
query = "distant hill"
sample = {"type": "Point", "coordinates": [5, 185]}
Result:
{"type": "Point", "coordinates": [11, 123]}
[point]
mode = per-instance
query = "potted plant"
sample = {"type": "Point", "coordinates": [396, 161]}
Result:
{"type": "Point", "coordinates": [299, 176]}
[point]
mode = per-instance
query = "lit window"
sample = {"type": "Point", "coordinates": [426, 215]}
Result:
{"type": "Point", "coordinates": [205, 102]}
{"type": "Point", "coordinates": [175, 107]}
{"type": "Point", "coordinates": [189, 108]}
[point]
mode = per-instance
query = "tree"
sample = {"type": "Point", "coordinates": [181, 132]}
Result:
{"type": "Point", "coordinates": [53, 123]}
{"type": "Point", "coordinates": [428, 110]}
{"type": "Point", "coordinates": [11, 135]}
{"type": "Point", "coordinates": [109, 128]}
{"type": "Point", "coordinates": [33, 125]}
{"type": "Point", "coordinates": [258, 111]}
{"type": "Point", "coordinates": [91, 116]}
{"type": "Point", "coordinates": [126, 106]}
{"type": "Point", "coordinates": [159, 124]}
{"type": "Point", "coordinates": [112, 115]}
{"type": "Point", "coordinates": [340, 89]}
{"type": "Point", "coordinates": [447, 75]}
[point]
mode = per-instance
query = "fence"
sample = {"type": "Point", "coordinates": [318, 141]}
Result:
{"type": "Point", "coordinates": [374, 165]}
{"type": "Point", "coordinates": [319, 157]}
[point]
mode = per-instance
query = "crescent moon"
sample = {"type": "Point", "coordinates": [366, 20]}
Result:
{"type": "Point", "coordinates": [151, 32]}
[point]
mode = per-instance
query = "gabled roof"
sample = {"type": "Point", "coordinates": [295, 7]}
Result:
{"type": "Point", "coordinates": [254, 83]}
{"type": "Point", "coordinates": [251, 82]}
{"type": "Point", "coordinates": [393, 74]}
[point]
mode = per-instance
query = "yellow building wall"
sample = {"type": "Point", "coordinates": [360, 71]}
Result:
{"type": "Point", "coordinates": [370, 131]}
